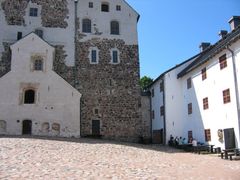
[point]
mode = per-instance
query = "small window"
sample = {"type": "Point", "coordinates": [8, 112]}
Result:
{"type": "Point", "coordinates": [161, 86]}
{"type": "Point", "coordinates": [204, 73]}
{"type": "Point", "coordinates": [207, 135]}
{"type": "Point", "coordinates": [205, 103]}
{"type": "Point", "coordinates": [115, 58]}
{"type": "Point", "coordinates": [152, 93]}
{"type": "Point", "coordinates": [189, 83]}
{"type": "Point", "coordinates": [114, 27]}
{"type": "Point", "coordinates": [105, 7]}
{"type": "Point", "coordinates": [39, 32]}
{"type": "Point", "coordinates": [19, 35]}
{"type": "Point", "coordinates": [86, 26]}
{"type": "Point", "coordinates": [226, 96]}
{"type": "Point", "coordinates": [90, 4]}
{"type": "Point", "coordinates": [118, 8]}
{"type": "Point", "coordinates": [162, 110]}
{"type": "Point", "coordinates": [153, 114]}
{"type": "Point", "coordinates": [93, 56]}
{"type": "Point", "coordinates": [33, 12]}
{"type": "Point", "coordinates": [38, 65]}
{"type": "Point", "coordinates": [190, 108]}
{"type": "Point", "coordinates": [29, 96]}
{"type": "Point", "coordinates": [223, 61]}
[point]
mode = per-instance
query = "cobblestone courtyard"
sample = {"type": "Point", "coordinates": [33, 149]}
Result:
{"type": "Point", "coordinates": [36, 158]}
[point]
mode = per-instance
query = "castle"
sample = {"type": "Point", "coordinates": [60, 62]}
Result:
{"type": "Point", "coordinates": [69, 68]}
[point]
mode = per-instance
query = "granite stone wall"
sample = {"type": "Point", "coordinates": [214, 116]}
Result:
{"type": "Point", "coordinates": [60, 67]}
{"type": "Point", "coordinates": [5, 61]}
{"type": "Point", "coordinates": [54, 13]}
{"type": "Point", "coordinates": [14, 11]}
{"type": "Point", "coordinates": [112, 89]}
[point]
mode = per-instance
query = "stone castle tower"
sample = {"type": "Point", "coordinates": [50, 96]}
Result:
{"type": "Point", "coordinates": [96, 52]}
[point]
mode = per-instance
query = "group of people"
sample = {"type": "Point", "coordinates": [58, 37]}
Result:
{"type": "Point", "coordinates": [180, 141]}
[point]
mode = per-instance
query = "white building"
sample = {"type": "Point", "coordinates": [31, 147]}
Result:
{"type": "Point", "coordinates": [43, 103]}
{"type": "Point", "coordinates": [201, 96]}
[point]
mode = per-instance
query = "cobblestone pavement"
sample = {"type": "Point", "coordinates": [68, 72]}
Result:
{"type": "Point", "coordinates": [40, 158]}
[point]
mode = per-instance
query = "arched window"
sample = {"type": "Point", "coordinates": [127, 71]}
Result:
{"type": "Point", "coordinates": [38, 64]}
{"type": "Point", "coordinates": [115, 27]}
{"type": "Point", "coordinates": [29, 96]}
{"type": "Point", "coordinates": [86, 26]}
{"type": "Point", "coordinates": [105, 7]}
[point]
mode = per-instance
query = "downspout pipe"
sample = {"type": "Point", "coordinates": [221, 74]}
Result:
{"type": "Point", "coordinates": [235, 86]}
{"type": "Point", "coordinates": [75, 60]}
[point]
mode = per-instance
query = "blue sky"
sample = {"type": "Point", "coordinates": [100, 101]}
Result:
{"type": "Point", "coordinates": [170, 31]}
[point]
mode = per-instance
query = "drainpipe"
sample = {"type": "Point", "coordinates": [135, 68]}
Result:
{"type": "Point", "coordinates": [235, 85]}
{"type": "Point", "coordinates": [164, 116]}
{"type": "Point", "coordinates": [75, 64]}
{"type": "Point", "coordinates": [75, 43]}
{"type": "Point", "coordinates": [151, 116]}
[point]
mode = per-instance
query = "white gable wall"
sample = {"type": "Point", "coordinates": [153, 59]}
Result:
{"type": "Point", "coordinates": [56, 100]}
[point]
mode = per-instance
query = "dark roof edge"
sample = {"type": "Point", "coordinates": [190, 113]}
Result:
{"type": "Point", "coordinates": [161, 75]}
{"type": "Point", "coordinates": [36, 35]}
{"type": "Point", "coordinates": [211, 51]}
{"type": "Point", "coordinates": [138, 15]}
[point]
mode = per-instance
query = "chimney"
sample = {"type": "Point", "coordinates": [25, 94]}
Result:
{"type": "Point", "coordinates": [234, 22]}
{"type": "Point", "coordinates": [222, 33]}
{"type": "Point", "coordinates": [203, 46]}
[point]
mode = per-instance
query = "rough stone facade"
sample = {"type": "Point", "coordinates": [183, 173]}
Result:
{"type": "Point", "coordinates": [15, 11]}
{"type": "Point", "coordinates": [53, 12]}
{"type": "Point", "coordinates": [60, 67]}
{"type": "Point", "coordinates": [113, 89]}
{"type": "Point", "coordinates": [5, 62]}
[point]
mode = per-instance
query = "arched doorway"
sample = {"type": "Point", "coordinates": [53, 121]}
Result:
{"type": "Point", "coordinates": [27, 127]}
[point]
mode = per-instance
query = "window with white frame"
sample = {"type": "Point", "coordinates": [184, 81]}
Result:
{"type": "Point", "coordinates": [115, 56]}
{"type": "Point", "coordinates": [93, 55]}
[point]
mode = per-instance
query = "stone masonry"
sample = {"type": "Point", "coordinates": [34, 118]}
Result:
{"type": "Point", "coordinates": [5, 61]}
{"type": "Point", "coordinates": [53, 12]}
{"type": "Point", "coordinates": [113, 89]}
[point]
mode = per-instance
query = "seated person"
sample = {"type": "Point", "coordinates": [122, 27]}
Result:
{"type": "Point", "coordinates": [194, 142]}
{"type": "Point", "coordinates": [184, 141]}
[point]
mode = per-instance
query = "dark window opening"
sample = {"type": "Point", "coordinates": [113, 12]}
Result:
{"type": "Point", "coordinates": [29, 97]}
{"type": "Point", "coordinates": [190, 108]}
{"type": "Point", "coordinates": [207, 135]}
{"type": "Point", "coordinates": [33, 12]}
{"type": "Point", "coordinates": [118, 8]}
{"type": "Point", "coordinates": [86, 26]}
{"type": "Point", "coordinates": [94, 56]}
{"type": "Point", "coordinates": [226, 96]}
{"type": "Point", "coordinates": [114, 28]}
{"type": "Point", "coordinates": [205, 103]}
{"type": "Point", "coordinates": [115, 56]}
{"type": "Point", "coordinates": [223, 61]}
{"type": "Point", "coordinates": [19, 35]}
{"type": "Point", "coordinates": [152, 93]}
{"type": "Point", "coordinates": [90, 5]}
{"type": "Point", "coordinates": [162, 110]}
{"type": "Point", "coordinates": [204, 73]}
{"type": "Point", "coordinates": [105, 7]}
{"type": "Point", "coordinates": [161, 86]}
{"type": "Point", "coordinates": [189, 83]}
{"type": "Point", "coordinates": [38, 65]}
